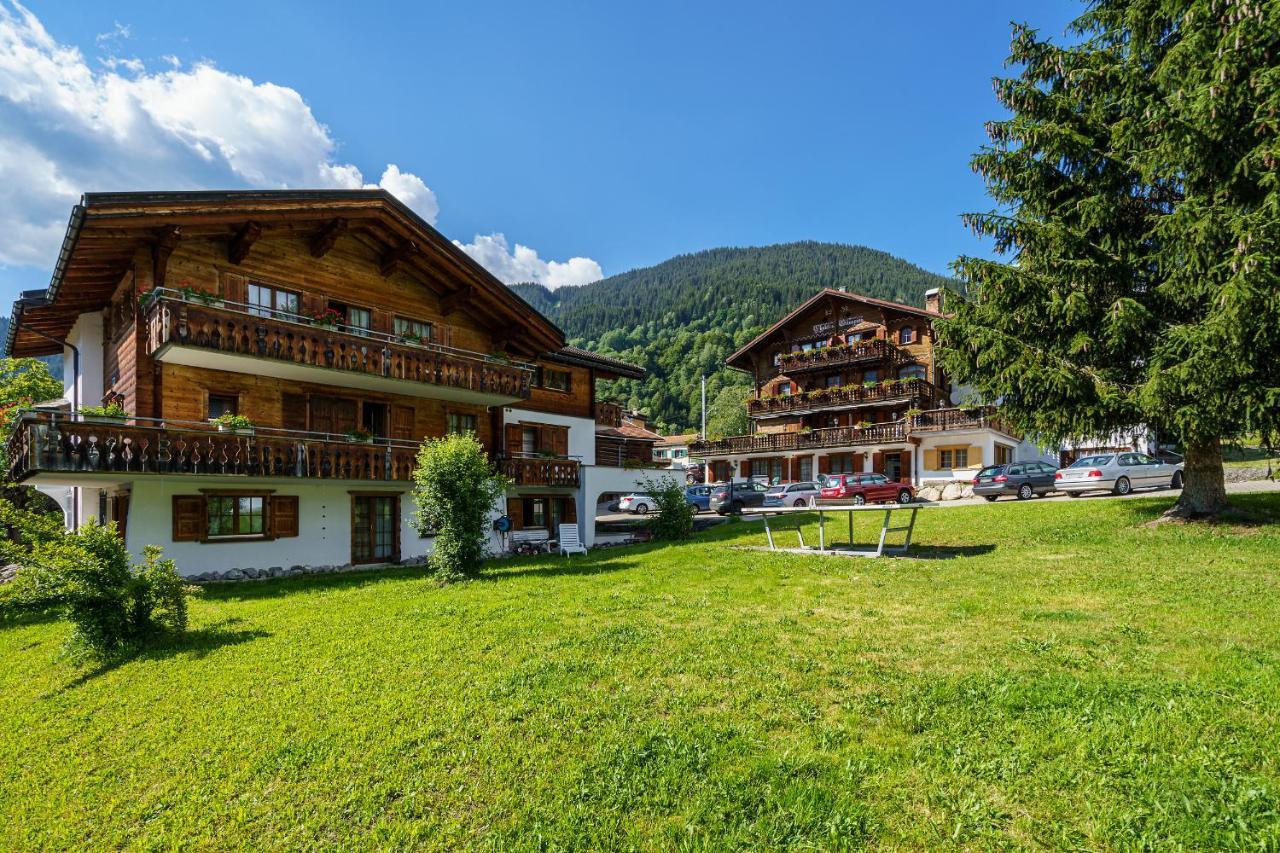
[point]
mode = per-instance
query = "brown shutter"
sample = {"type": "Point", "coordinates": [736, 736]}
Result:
{"type": "Point", "coordinates": [380, 321]}
{"type": "Point", "coordinates": [744, 469]}
{"type": "Point", "coordinates": [975, 456]}
{"type": "Point", "coordinates": [313, 304]}
{"type": "Point", "coordinates": [293, 411]}
{"type": "Point", "coordinates": [824, 464]}
{"type": "Point", "coordinates": [905, 456]}
{"type": "Point", "coordinates": [561, 446]}
{"type": "Point", "coordinates": [569, 513]}
{"type": "Point", "coordinates": [931, 460]}
{"type": "Point", "coordinates": [284, 516]}
{"type": "Point", "coordinates": [402, 423]}
{"type": "Point", "coordinates": [189, 520]}
{"type": "Point", "coordinates": [877, 462]}
{"type": "Point", "coordinates": [234, 288]}
{"type": "Point", "coordinates": [514, 436]}
{"type": "Point", "coordinates": [444, 334]}
{"type": "Point", "coordinates": [515, 511]}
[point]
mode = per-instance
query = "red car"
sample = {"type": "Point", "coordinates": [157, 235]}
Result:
{"type": "Point", "coordinates": [859, 489]}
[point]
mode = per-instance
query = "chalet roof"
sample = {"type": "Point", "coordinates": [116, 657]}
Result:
{"type": "Point", "coordinates": [630, 432]}
{"type": "Point", "coordinates": [677, 440]}
{"type": "Point", "coordinates": [106, 230]}
{"type": "Point", "coordinates": [808, 303]}
{"type": "Point", "coordinates": [615, 368]}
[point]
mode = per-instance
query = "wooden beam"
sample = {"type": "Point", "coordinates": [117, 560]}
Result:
{"type": "Point", "coordinates": [161, 248]}
{"type": "Point", "coordinates": [394, 257]}
{"type": "Point", "coordinates": [243, 242]}
{"type": "Point", "coordinates": [323, 242]}
{"type": "Point", "coordinates": [451, 302]}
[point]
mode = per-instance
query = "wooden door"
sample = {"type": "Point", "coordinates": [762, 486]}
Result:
{"type": "Point", "coordinates": [375, 528]}
{"type": "Point", "coordinates": [332, 414]}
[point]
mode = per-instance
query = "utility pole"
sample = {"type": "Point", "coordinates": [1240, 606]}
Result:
{"type": "Point", "coordinates": [703, 434]}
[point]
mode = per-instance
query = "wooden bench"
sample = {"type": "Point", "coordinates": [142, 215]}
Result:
{"type": "Point", "coordinates": [536, 536]}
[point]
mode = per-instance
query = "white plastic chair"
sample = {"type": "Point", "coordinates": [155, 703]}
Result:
{"type": "Point", "coordinates": [570, 543]}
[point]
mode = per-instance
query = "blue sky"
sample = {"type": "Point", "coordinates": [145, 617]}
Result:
{"type": "Point", "coordinates": [622, 134]}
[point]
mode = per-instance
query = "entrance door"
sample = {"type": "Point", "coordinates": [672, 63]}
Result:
{"type": "Point", "coordinates": [375, 528]}
{"type": "Point", "coordinates": [893, 466]}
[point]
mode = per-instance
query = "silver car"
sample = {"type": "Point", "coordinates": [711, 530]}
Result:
{"type": "Point", "coordinates": [1119, 473]}
{"type": "Point", "coordinates": [791, 494]}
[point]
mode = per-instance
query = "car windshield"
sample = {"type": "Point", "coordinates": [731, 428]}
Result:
{"type": "Point", "coordinates": [1091, 461]}
{"type": "Point", "coordinates": [989, 472]}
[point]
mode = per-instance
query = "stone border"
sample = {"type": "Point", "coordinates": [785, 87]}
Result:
{"type": "Point", "coordinates": [254, 574]}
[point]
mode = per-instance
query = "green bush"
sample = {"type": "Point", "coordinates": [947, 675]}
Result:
{"type": "Point", "coordinates": [456, 487]}
{"type": "Point", "coordinates": [674, 519]}
{"type": "Point", "coordinates": [87, 576]}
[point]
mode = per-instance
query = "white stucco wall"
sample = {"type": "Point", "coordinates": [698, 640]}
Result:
{"type": "Point", "coordinates": [582, 431]}
{"type": "Point", "coordinates": [86, 336]}
{"type": "Point", "coordinates": [1023, 451]}
{"type": "Point", "coordinates": [324, 525]}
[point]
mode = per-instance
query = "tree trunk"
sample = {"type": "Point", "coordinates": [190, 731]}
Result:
{"type": "Point", "coordinates": [1204, 491]}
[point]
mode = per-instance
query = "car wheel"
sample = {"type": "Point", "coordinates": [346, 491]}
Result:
{"type": "Point", "coordinates": [691, 480]}
{"type": "Point", "coordinates": [1177, 480]}
{"type": "Point", "coordinates": [904, 496]}
{"type": "Point", "coordinates": [859, 500]}
{"type": "Point", "coordinates": [1025, 492]}
{"type": "Point", "coordinates": [641, 509]}
{"type": "Point", "coordinates": [1076, 494]}
{"type": "Point", "coordinates": [1123, 486]}
{"type": "Point", "coordinates": [798, 502]}
{"type": "Point", "coordinates": [990, 498]}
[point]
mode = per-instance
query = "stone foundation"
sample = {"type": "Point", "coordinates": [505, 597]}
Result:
{"type": "Point", "coordinates": [945, 490]}
{"type": "Point", "coordinates": [254, 574]}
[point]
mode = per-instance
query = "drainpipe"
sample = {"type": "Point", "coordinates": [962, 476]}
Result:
{"type": "Point", "coordinates": [75, 406]}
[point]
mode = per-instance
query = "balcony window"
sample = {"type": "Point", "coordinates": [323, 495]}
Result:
{"type": "Point", "coordinates": [833, 381]}
{"type": "Point", "coordinates": [555, 380]}
{"type": "Point", "coordinates": [235, 515]}
{"type": "Point", "coordinates": [871, 376]}
{"type": "Point", "coordinates": [359, 320]}
{"type": "Point", "coordinates": [223, 404]}
{"type": "Point", "coordinates": [911, 371]}
{"type": "Point", "coordinates": [413, 329]}
{"type": "Point", "coordinates": [459, 423]}
{"type": "Point", "coordinates": [265, 301]}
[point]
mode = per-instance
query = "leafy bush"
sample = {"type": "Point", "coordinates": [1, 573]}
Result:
{"type": "Point", "coordinates": [87, 576]}
{"type": "Point", "coordinates": [674, 519]}
{"type": "Point", "coordinates": [456, 487]}
{"type": "Point", "coordinates": [114, 410]}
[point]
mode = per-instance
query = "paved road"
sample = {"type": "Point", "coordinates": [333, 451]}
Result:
{"type": "Point", "coordinates": [1232, 489]}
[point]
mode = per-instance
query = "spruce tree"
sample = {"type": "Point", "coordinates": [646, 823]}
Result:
{"type": "Point", "coordinates": [1137, 233]}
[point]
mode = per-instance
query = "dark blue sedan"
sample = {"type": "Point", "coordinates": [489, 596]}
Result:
{"type": "Point", "coordinates": [698, 497]}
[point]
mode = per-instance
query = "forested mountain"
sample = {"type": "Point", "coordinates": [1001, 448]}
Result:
{"type": "Point", "coordinates": [681, 318]}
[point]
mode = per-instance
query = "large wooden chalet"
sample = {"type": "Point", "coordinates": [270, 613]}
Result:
{"type": "Point", "coordinates": [343, 327]}
{"type": "Point", "coordinates": [848, 383]}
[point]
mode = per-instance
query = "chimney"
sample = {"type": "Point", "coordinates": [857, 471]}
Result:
{"type": "Point", "coordinates": [933, 300]}
{"type": "Point", "coordinates": [636, 419]}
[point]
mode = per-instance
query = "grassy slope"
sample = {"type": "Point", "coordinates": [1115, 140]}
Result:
{"type": "Point", "coordinates": [1113, 686]}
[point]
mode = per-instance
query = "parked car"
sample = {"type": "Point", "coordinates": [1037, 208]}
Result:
{"type": "Point", "coordinates": [1021, 479]}
{"type": "Point", "coordinates": [791, 494]}
{"type": "Point", "coordinates": [693, 474]}
{"type": "Point", "coordinates": [637, 502]}
{"type": "Point", "coordinates": [859, 489]}
{"type": "Point", "coordinates": [1119, 473]}
{"type": "Point", "coordinates": [729, 498]}
{"type": "Point", "coordinates": [698, 497]}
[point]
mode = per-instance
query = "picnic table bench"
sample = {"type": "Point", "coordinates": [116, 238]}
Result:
{"type": "Point", "coordinates": [830, 547]}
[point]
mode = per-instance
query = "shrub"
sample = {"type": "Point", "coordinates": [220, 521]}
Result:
{"type": "Point", "coordinates": [674, 519]}
{"type": "Point", "coordinates": [456, 486]}
{"type": "Point", "coordinates": [87, 576]}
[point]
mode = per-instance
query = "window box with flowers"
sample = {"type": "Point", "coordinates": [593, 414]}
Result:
{"type": "Point", "coordinates": [111, 413]}
{"type": "Point", "coordinates": [359, 435]}
{"type": "Point", "coordinates": [230, 422]}
{"type": "Point", "coordinates": [327, 319]}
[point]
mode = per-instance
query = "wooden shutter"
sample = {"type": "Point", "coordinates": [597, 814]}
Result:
{"type": "Point", "coordinates": [332, 414]}
{"type": "Point", "coordinates": [975, 456]}
{"type": "Point", "coordinates": [293, 411]}
{"type": "Point", "coordinates": [444, 334]}
{"type": "Point", "coordinates": [380, 321]}
{"type": "Point", "coordinates": [931, 460]}
{"type": "Point", "coordinates": [569, 511]}
{"type": "Point", "coordinates": [877, 462]}
{"type": "Point", "coordinates": [560, 440]}
{"type": "Point", "coordinates": [515, 434]}
{"type": "Point", "coordinates": [905, 456]}
{"type": "Point", "coordinates": [515, 511]}
{"type": "Point", "coordinates": [313, 304]}
{"type": "Point", "coordinates": [189, 518]}
{"type": "Point", "coordinates": [402, 423]}
{"type": "Point", "coordinates": [284, 516]}
{"type": "Point", "coordinates": [824, 464]}
{"type": "Point", "coordinates": [234, 288]}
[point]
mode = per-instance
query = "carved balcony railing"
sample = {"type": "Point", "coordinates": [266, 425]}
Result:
{"type": "Point", "coordinates": [861, 352]}
{"type": "Point", "coordinates": [918, 392]}
{"type": "Point", "coordinates": [541, 471]}
{"type": "Point", "coordinates": [238, 329]}
{"type": "Point", "coordinates": [935, 420]}
{"type": "Point", "coordinates": [49, 442]}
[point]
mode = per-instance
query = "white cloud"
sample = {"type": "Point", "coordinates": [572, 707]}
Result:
{"type": "Point", "coordinates": [523, 264]}
{"type": "Point", "coordinates": [69, 127]}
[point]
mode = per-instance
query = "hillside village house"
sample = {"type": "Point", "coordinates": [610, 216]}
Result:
{"type": "Point", "coordinates": [673, 450]}
{"type": "Point", "coordinates": [346, 329]}
{"type": "Point", "coordinates": [847, 384]}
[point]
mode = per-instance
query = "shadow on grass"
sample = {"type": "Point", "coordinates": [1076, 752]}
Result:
{"type": "Point", "coordinates": [193, 644]}
{"type": "Point", "coordinates": [564, 566]}
{"type": "Point", "coordinates": [1247, 509]}
{"type": "Point", "coordinates": [249, 590]}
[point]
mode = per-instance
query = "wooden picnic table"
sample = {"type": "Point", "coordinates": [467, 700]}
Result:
{"type": "Point", "coordinates": [824, 547]}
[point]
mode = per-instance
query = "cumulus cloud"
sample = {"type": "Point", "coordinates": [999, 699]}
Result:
{"type": "Point", "coordinates": [68, 126]}
{"type": "Point", "coordinates": [523, 264]}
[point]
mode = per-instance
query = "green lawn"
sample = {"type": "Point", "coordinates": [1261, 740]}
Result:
{"type": "Point", "coordinates": [1049, 674]}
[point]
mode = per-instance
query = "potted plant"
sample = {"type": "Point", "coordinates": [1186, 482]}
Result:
{"type": "Point", "coordinates": [327, 319]}
{"type": "Point", "coordinates": [862, 424]}
{"type": "Point", "coordinates": [191, 294]}
{"type": "Point", "coordinates": [360, 435]}
{"type": "Point", "coordinates": [228, 422]}
{"type": "Point", "coordinates": [110, 413]}
{"type": "Point", "coordinates": [147, 298]}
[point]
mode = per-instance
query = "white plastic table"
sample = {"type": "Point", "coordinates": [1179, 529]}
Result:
{"type": "Point", "coordinates": [822, 510]}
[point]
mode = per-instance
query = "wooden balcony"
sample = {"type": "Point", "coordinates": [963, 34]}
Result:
{"type": "Point", "coordinates": [540, 471]}
{"type": "Point", "coordinates": [65, 448]}
{"type": "Point", "coordinates": [917, 392]}
{"type": "Point", "coordinates": [862, 352]}
{"type": "Point", "coordinates": [230, 336]}
{"type": "Point", "coordinates": [935, 420]}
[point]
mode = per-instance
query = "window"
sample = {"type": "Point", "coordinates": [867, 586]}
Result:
{"type": "Point", "coordinates": [235, 515]}
{"type": "Point", "coordinates": [784, 389]}
{"type": "Point", "coordinates": [841, 463]}
{"type": "Point", "coordinates": [406, 328]}
{"type": "Point", "coordinates": [459, 423]}
{"type": "Point", "coordinates": [223, 404]}
{"type": "Point", "coordinates": [911, 371]}
{"type": "Point", "coordinates": [359, 320]}
{"type": "Point", "coordinates": [870, 375]}
{"type": "Point", "coordinates": [266, 301]}
{"type": "Point", "coordinates": [529, 440]}
{"type": "Point", "coordinates": [555, 380]}
{"type": "Point", "coordinates": [1004, 454]}
{"type": "Point", "coordinates": [833, 381]}
{"type": "Point", "coordinates": [535, 514]}
{"type": "Point", "coordinates": [907, 335]}
{"type": "Point", "coordinates": [953, 458]}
